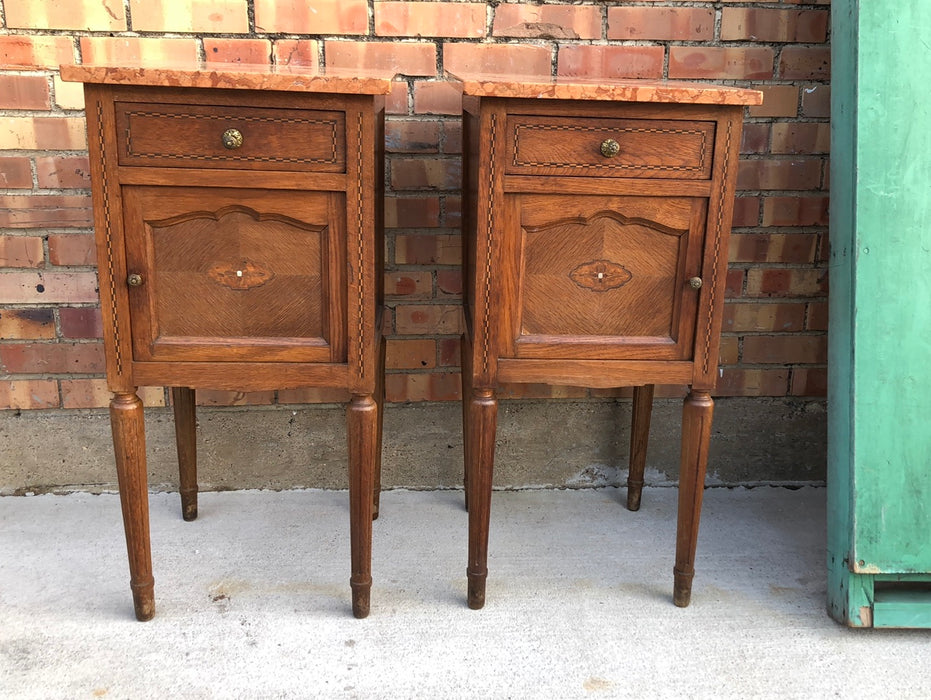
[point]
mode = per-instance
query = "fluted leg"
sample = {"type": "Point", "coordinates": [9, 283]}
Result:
{"type": "Point", "coordinates": [482, 424]}
{"type": "Point", "coordinates": [639, 439]}
{"type": "Point", "coordinates": [362, 423]}
{"type": "Point", "coordinates": [182, 399]}
{"type": "Point", "coordinates": [696, 435]}
{"type": "Point", "coordinates": [127, 423]}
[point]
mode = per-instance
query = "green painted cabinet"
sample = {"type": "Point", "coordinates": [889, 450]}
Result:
{"type": "Point", "coordinates": [879, 453]}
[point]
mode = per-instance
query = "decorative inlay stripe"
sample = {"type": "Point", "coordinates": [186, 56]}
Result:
{"type": "Point", "coordinates": [718, 225]}
{"type": "Point", "coordinates": [360, 252]}
{"type": "Point", "coordinates": [108, 238]}
{"type": "Point", "coordinates": [489, 239]}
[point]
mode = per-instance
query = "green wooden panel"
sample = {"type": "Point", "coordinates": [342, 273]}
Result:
{"type": "Point", "coordinates": [902, 608]}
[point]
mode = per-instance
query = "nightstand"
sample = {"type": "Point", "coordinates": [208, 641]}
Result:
{"type": "Point", "coordinates": [238, 216]}
{"type": "Point", "coordinates": [596, 222]}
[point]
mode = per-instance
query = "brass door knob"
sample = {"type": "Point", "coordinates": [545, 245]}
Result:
{"type": "Point", "coordinates": [695, 282]}
{"type": "Point", "coordinates": [610, 148]}
{"type": "Point", "coordinates": [232, 139]}
{"type": "Point", "coordinates": [134, 280]}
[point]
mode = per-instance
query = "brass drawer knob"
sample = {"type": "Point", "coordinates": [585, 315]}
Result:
{"type": "Point", "coordinates": [134, 280]}
{"type": "Point", "coordinates": [695, 282]}
{"type": "Point", "coordinates": [610, 148]}
{"type": "Point", "coordinates": [232, 139]}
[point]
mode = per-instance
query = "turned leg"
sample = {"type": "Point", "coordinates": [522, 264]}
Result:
{"type": "Point", "coordinates": [482, 423]}
{"type": "Point", "coordinates": [380, 400]}
{"type": "Point", "coordinates": [465, 363]}
{"type": "Point", "coordinates": [182, 399]}
{"type": "Point", "coordinates": [639, 439]}
{"type": "Point", "coordinates": [696, 435]}
{"type": "Point", "coordinates": [127, 423]}
{"type": "Point", "coordinates": [362, 424]}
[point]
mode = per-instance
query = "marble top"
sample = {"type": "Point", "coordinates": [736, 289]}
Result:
{"type": "Point", "coordinates": [567, 88]}
{"type": "Point", "coordinates": [239, 76]}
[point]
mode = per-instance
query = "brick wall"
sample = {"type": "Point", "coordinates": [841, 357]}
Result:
{"type": "Point", "coordinates": [776, 316]}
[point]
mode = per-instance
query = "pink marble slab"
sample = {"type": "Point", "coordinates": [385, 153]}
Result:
{"type": "Point", "coordinates": [563, 88]}
{"type": "Point", "coordinates": [239, 76]}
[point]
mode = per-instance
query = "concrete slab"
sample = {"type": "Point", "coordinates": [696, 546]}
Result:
{"type": "Point", "coordinates": [253, 601]}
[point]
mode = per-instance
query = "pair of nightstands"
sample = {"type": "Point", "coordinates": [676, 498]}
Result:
{"type": "Point", "coordinates": [238, 215]}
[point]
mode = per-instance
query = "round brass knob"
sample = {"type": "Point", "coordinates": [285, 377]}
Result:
{"type": "Point", "coordinates": [232, 139]}
{"type": "Point", "coordinates": [134, 280]}
{"type": "Point", "coordinates": [695, 282]}
{"type": "Point", "coordinates": [610, 148]}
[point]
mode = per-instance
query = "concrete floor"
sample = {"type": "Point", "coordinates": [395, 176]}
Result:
{"type": "Point", "coordinates": [253, 601]}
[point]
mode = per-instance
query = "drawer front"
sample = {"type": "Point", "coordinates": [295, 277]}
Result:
{"type": "Point", "coordinates": [206, 136]}
{"type": "Point", "coordinates": [645, 148]}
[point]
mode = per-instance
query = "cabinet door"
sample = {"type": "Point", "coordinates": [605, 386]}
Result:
{"type": "Point", "coordinates": [236, 274]}
{"type": "Point", "coordinates": [603, 277]}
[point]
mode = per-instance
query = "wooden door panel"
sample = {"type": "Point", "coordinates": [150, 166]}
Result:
{"type": "Point", "coordinates": [604, 276]}
{"type": "Point", "coordinates": [235, 275]}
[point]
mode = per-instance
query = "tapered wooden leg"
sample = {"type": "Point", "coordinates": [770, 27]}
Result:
{"type": "Point", "coordinates": [639, 439]}
{"type": "Point", "coordinates": [127, 423]}
{"type": "Point", "coordinates": [696, 436]}
{"type": "Point", "coordinates": [482, 424]}
{"type": "Point", "coordinates": [362, 423]}
{"type": "Point", "coordinates": [380, 400]}
{"type": "Point", "coordinates": [465, 355]}
{"type": "Point", "coordinates": [182, 399]}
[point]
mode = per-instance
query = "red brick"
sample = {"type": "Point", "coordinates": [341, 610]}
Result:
{"type": "Point", "coordinates": [408, 136]}
{"type": "Point", "coordinates": [755, 137]}
{"type": "Point", "coordinates": [71, 249]}
{"type": "Point", "coordinates": [27, 324]}
{"type": "Point", "coordinates": [216, 16]}
{"type": "Point", "coordinates": [809, 381]}
{"type": "Point", "coordinates": [428, 250]}
{"type": "Point", "coordinates": [452, 138]}
{"type": "Point", "coordinates": [798, 248]}
{"type": "Point", "coordinates": [404, 58]}
{"type": "Point", "coordinates": [449, 282]}
{"type": "Point", "coordinates": [739, 318]}
{"type": "Point", "coordinates": [541, 391]}
{"type": "Point", "coordinates": [21, 251]}
{"type": "Point", "coordinates": [763, 25]}
{"type": "Point", "coordinates": [817, 316]}
{"type": "Point", "coordinates": [452, 214]}
{"type": "Point", "coordinates": [397, 100]}
{"type": "Point", "coordinates": [778, 101]}
{"type": "Point", "coordinates": [24, 92]}
{"type": "Point", "coordinates": [67, 95]}
{"type": "Point", "coordinates": [437, 97]}
{"type": "Point", "coordinates": [48, 288]}
{"type": "Point", "coordinates": [746, 211]}
{"type": "Point", "coordinates": [216, 397]}
{"type": "Point", "coordinates": [408, 284]}
{"type": "Point", "coordinates": [412, 212]}
{"type": "Point", "coordinates": [795, 211]}
{"type": "Point", "coordinates": [133, 50]}
{"type": "Point", "coordinates": [805, 63]}
{"type": "Point", "coordinates": [801, 137]}
{"type": "Point", "coordinates": [734, 283]}
{"type": "Point", "coordinates": [63, 172]}
{"type": "Point", "coordinates": [729, 352]}
{"type": "Point", "coordinates": [254, 51]}
{"type": "Point", "coordinates": [29, 393]}
{"type": "Point", "coordinates": [816, 101]}
{"type": "Point", "coordinates": [780, 174]}
{"type": "Point", "coordinates": [752, 382]}
{"type": "Point", "coordinates": [52, 358]}
{"type": "Point", "coordinates": [45, 211]}
{"type": "Point", "coordinates": [15, 173]}
{"type": "Point", "coordinates": [35, 51]}
{"type": "Point", "coordinates": [426, 173]}
{"type": "Point", "coordinates": [661, 23]}
{"type": "Point", "coordinates": [296, 52]}
{"type": "Point", "coordinates": [93, 15]}
{"type": "Point", "coordinates": [84, 322]}
{"type": "Point", "coordinates": [434, 19]}
{"type": "Point", "coordinates": [732, 63]}
{"type": "Point", "coordinates": [423, 387]}
{"type": "Point", "coordinates": [518, 59]}
{"type": "Point", "coordinates": [789, 282]}
{"type": "Point", "coordinates": [428, 319]}
{"type": "Point", "coordinates": [546, 21]}
{"type": "Point", "coordinates": [416, 353]}
{"type": "Point", "coordinates": [311, 16]}
{"type": "Point", "coordinates": [761, 349]}
{"type": "Point", "coordinates": [42, 133]}
{"type": "Point", "coordinates": [611, 61]}
{"type": "Point", "coordinates": [449, 350]}
{"type": "Point", "coordinates": [93, 393]}
{"type": "Point", "coordinates": [316, 395]}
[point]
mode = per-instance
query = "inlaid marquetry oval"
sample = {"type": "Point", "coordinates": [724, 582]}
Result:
{"type": "Point", "coordinates": [244, 275]}
{"type": "Point", "coordinates": [600, 275]}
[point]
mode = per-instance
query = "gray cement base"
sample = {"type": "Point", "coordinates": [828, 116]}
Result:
{"type": "Point", "coordinates": [252, 601]}
{"type": "Point", "coordinates": [539, 444]}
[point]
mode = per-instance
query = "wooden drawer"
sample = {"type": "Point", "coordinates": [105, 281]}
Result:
{"type": "Point", "coordinates": [192, 136]}
{"type": "Point", "coordinates": [647, 148]}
